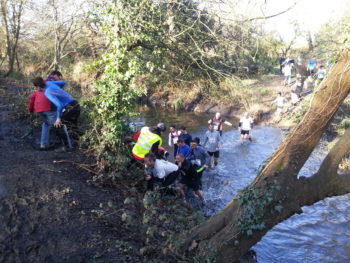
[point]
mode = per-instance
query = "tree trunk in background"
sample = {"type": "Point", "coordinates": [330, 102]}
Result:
{"type": "Point", "coordinates": [12, 25]}
{"type": "Point", "coordinates": [310, 42]}
{"type": "Point", "coordinates": [277, 193]}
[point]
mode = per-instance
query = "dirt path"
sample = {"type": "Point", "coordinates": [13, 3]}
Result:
{"type": "Point", "coordinates": [50, 212]}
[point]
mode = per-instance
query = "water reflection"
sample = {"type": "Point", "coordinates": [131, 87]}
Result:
{"type": "Point", "coordinates": [320, 234]}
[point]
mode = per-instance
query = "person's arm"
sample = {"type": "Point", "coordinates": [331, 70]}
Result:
{"type": "Point", "coordinates": [188, 153]}
{"type": "Point", "coordinates": [228, 123]}
{"type": "Point", "coordinates": [219, 141]}
{"type": "Point", "coordinates": [60, 83]}
{"type": "Point", "coordinates": [50, 95]}
{"type": "Point", "coordinates": [206, 156]}
{"type": "Point", "coordinates": [205, 140]}
{"type": "Point", "coordinates": [31, 102]}
{"type": "Point", "coordinates": [170, 140]}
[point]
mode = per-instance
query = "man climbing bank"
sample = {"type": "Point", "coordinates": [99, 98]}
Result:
{"type": "Point", "coordinates": [148, 141]}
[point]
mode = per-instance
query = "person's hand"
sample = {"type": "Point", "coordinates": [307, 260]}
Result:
{"type": "Point", "coordinates": [148, 177]}
{"type": "Point", "coordinates": [58, 123]}
{"type": "Point", "coordinates": [205, 166]}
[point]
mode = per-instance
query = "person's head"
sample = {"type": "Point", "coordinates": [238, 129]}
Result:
{"type": "Point", "coordinates": [172, 128]}
{"type": "Point", "coordinates": [183, 129]}
{"type": "Point", "coordinates": [161, 127]}
{"type": "Point", "coordinates": [217, 115]}
{"type": "Point", "coordinates": [56, 75]}
{"type": "Point", "coordinates": [194, 144]}
{"type": "Point", "coordinates": [246, 114]}
{"type": "Point", "coordinates": [180, 158]}
{"type": "Point", "coordinates": [150, 159]}
{"type": "Point", "coordinates": [279, 94]}
{"type": "Point", "coordinates": [180, 142]}
{"type": "Point", "coordinates": [322, 67]}
{"type": "Point", "coordinates": [39, 83]}
{"type": "Point", "coordinates": [211, 127]}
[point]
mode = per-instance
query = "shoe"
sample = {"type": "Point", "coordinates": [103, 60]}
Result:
{"type": "Point", "coordinates": [63, 149]}
{"type": "Point", "coordinates": [250, 139]}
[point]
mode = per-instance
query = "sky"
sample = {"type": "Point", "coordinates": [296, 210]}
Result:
{"type": "Point", "coordinates": [310, 14]}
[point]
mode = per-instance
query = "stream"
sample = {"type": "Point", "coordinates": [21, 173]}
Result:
{"type": "Point", "coordinates": [320, 234]}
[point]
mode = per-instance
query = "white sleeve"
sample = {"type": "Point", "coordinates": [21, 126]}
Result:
{"type": "Point", "coordinates": [170, 140]}
{"type": "Point", "coordinates": [160, 169]}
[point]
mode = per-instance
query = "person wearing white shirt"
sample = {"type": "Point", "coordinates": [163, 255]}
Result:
{"type": "Point", "coordinates": [160, 171]}
{"type": "Point", "coordinates": [280, 103]}
{"type": "Point", "coordinates": [246, 125]}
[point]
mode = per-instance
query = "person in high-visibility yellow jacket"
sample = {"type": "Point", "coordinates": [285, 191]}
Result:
{"type": "Point", "coordinates": [148, 141]}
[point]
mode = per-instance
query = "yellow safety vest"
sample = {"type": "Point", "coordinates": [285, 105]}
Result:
{"type": "Point", "coordinates": [144, 143]}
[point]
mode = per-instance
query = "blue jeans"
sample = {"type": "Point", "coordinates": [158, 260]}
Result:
{"type": "Point", "coordinates": [48, 118]}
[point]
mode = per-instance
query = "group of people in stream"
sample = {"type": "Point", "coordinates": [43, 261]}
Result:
{"type": "Point", "coordinates": [57, 109]}
{"type": "Point", "coordinates": [191, 158]}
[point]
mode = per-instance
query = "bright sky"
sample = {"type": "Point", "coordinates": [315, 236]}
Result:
{"type": "Point", "coordinates": [310, 14]}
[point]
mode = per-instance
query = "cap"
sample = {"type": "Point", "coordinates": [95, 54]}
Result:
{"type": "Point", "coordinates": [161, 126]}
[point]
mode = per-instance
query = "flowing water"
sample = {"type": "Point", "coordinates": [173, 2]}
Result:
{"type": "Point", "coordinates": [320, 234]}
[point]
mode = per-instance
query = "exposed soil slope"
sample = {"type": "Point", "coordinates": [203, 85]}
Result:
{"type": "Point", "coordinates": [51, 212]}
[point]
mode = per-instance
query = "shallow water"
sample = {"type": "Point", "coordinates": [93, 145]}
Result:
{"type": "Point", "coordinates": [320, 234]}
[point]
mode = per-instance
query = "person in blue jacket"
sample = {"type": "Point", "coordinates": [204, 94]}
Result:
{"type": "Point", "coordinates": [183, 148]}
{"type": "Point", "coordinates": [68, 109]}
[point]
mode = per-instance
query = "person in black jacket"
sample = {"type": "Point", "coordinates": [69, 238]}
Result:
{"type": "Point", "coordinates": [189, 176]}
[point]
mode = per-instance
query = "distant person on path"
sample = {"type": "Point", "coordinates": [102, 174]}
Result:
{"type": "Point", "coordinates": [148, 140]}
{"type": "Point", "coordinates": [312, 66]}
{"type": "Point", "coordinates": [280, 100]}
{"type": "Point", "coordinates": [185, 136]}
{"type": "Point", "coordinates": [321, 74]}
{"type": "Point", "coordinates": [212, 143]}
{"type": "Point", "coordinates": [287, 71]}
{"type": "Point", "coordinates": [174, 135]}
{"type": "Point", "coordinates": [68, 110]}
{"type": "Point", "coordinates": [42, 105]}
{"type": "Point", "coordinates": [189, 176]}
{"type": "Point", "coordinates": [281, 61]}
{"type": "Point", "coordinates": [218, 122]}
{"type": "Point", "coordinates": [246, 126]}
{"type": "Point", "coordinates": [183, 148]}
{"type": "Point", "coordinates": [159, 171]}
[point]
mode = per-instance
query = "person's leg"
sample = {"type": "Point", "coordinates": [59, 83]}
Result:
{"type": "Point", "coordinates": [199, 194]}
{"type": "Point", "coordinates": [216, 158]}
{"type": "Point", "coordinates": [210, 159]}
{"type": "Point", "coordinates": [175, 150]}
{"type": "Point", "coordinates": [48, 121]}
{"type": "Point", "coordinates": [181, 190]}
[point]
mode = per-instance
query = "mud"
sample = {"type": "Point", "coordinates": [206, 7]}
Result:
{"type": "Point", "coordinates": [54, 212]}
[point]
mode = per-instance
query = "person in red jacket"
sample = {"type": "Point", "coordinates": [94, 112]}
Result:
{"type": "Point", "coordinates": [40, 104]}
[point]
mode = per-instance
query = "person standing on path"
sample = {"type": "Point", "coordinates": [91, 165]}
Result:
{"type": "Point", "coordinates": [174, 135]}
{"type": "Point", "coordinates": [280, 100]}
{"type": "Point", "coordinates": [287, 71]}
{"type": "Point", "coordinates": [43, 106]}
{"type": "Point", "coordinates": [212, 143]}
{"type": "Point", "coordinates": [246, 126]}
{"type": "Point", "coordinates": [218, 122]}
{"type": "Point", "coordinates": [68, 110]}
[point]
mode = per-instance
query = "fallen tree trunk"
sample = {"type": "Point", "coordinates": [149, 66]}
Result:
{"type": "Point", "coordinates": [277, 193]}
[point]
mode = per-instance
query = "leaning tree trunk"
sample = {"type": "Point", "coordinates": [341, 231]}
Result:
{"type": "Point", "coordinates": [277, 193]}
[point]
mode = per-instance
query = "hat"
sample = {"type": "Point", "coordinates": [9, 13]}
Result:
{"type": "Point", "coordinates": [161, 126]}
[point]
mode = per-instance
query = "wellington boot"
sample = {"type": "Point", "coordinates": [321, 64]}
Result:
{"type": "Point", "coordinates": [216, 163]}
